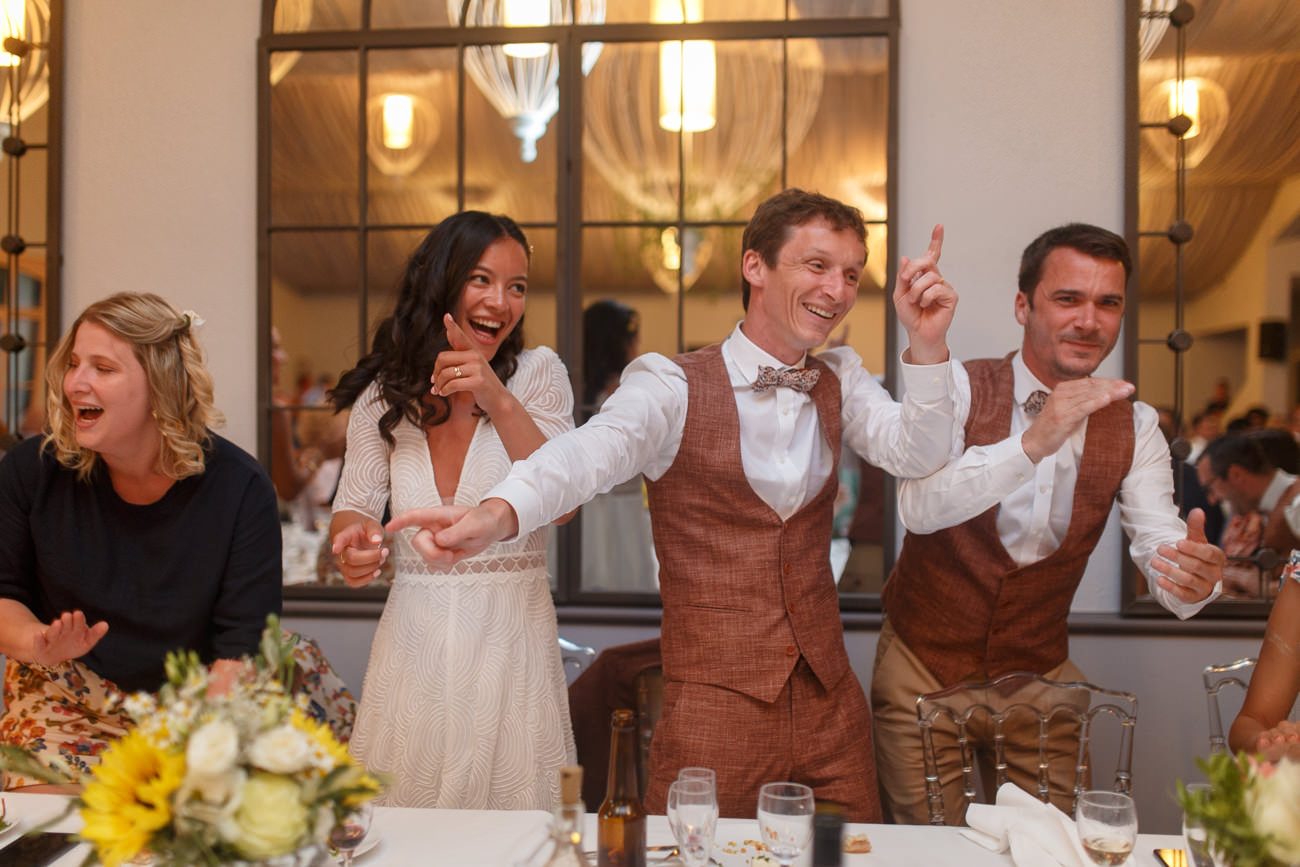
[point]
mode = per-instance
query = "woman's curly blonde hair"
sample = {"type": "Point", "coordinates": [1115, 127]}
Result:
{"type": "Point", "coordinates": [180, 387]}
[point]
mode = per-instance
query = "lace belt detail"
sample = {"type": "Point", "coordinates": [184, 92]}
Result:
{"type": "Point", "coordinates": [522, 566]}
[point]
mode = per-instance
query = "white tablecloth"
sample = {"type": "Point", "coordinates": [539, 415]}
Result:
{"type": "Point", "coordinates": [483, 838]}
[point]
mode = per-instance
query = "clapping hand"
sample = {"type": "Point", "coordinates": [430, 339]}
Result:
{"type": "Point", "coordinates": [66, 637]}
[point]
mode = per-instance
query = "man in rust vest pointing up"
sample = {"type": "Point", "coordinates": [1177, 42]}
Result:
{"type": "Point", "coordinates": [739, 444]}
{"type": "Point", "coordinates": [999, 538]}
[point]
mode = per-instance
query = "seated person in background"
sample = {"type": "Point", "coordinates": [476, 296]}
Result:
{"type": "Point", "coordinates": [1262, 726]}
{"type": "Point", "coordinates": [1237, 470]}
{"type": "Point", "coordinates": [129, 530]}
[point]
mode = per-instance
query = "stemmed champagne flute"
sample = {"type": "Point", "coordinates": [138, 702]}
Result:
{"type": "Point", "coordinates": [1107, 826]}
{"type": "Point", "coordinates": [347, 835]}
{"type": "Point", "coordinates": [693, 817]}
{"type": "Point", "coordinates": [785, 820]}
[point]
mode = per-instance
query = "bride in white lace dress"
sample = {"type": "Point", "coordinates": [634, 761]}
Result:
{"type": "Point", "coordinates": [464, 703]}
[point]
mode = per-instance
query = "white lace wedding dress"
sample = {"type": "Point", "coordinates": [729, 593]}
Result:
{"type": "Point", "coordinates": [464, 702]}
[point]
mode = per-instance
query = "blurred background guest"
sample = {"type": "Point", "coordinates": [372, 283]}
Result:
{"type": "Point", "coordinates": [129, 530]}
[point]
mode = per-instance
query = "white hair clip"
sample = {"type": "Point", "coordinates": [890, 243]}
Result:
{"type": "Point", "coordinates": [192, 319]}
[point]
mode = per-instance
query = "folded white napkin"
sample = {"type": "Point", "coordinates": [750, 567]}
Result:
{"type": "Point", "coordinates": [1036, 834]}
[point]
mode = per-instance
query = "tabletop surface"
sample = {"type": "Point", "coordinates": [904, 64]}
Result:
{"type": "Point", "coordinates": [486, 838]}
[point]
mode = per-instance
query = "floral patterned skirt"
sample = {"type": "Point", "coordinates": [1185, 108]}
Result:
{"type": "Point", "coordinates": [58, 714]}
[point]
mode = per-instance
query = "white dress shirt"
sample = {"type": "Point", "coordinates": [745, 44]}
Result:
{"type": "Point", "coordinates": [785, 456]}
{"type": "Point", "coordinates": [1036, 501]}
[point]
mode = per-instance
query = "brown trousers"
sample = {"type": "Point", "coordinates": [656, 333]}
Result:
{"type": "Point", "coordinates": [898, 677]}
{"type": "Point", "coordinates": [809, 735]}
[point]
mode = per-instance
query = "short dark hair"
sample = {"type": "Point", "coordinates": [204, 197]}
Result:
{"type": "Point", "coordinates": [1237, 450]}
{"type": "Point", "coordinates": [1089, 240]}
{"type": "Point", "coordinates": [769, 228]}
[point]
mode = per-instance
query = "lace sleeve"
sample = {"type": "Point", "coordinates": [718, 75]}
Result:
{"type": "Point", "coordinates": [364, 484]}
{"type": "Point", "coordinates": [542, 385]}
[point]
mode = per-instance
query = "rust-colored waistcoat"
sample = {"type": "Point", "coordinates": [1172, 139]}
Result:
{"type": "Point", "coordinates": [958, 599]}
{"type": "Point", "coordinates": [745, 594]}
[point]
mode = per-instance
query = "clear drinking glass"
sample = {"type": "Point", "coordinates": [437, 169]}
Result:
{"type": "Point", "coordinates": [348, 834]}
{"type": "Point", "coordinates": [1107, 826]}
{"type": "Point", "coordinates": [1198, 852]}
{"type": "Point", "coordinates": [693, 817]}
{"type": "Point", "coordinates": [695, 773]}
{"type": "Point", "coordinates": [785, 820]}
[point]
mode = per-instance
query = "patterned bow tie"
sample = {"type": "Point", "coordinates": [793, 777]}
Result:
{"type": "Point", "coordinates": [1035, 402]}
{"type": "Point", "coordinates": [798, 378]}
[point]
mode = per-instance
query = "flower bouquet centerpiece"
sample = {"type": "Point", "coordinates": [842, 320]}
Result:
{"type": "Point", "coordinates": [210, 779]}
{"type": "Point", "coordinates": [1250, 810]}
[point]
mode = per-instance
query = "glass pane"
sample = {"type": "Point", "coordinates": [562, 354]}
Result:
{"type": "Point", "coordinates": [857, 541]}
{"type": "Point", "coordinates": [617, 550]}
{"type": "Point", "coordinates": [510, 115]}
{"type": "Point", "coordinates": [614, 265]}
{"type": "Point", "coordinates": [712, 307]}
{"type": "Point", "coordinates": [411, 136]}
{"type": "Point", "coordinates": [625, 148]}
{"type": "Point", "coordinates": [387, 253]}
{"type": "Point", "coordinates": [540, 307]}
{"type": "Point", "coordinates": [294, 16]}
{"type": "Point", "coordinates": [733, 160]}
{"type": "Point", "coordinates": [22, 374]}
{"type": "Point", "coordinates": [410, 13]}
{"type": "Point", "coordinates": [314, 309]}
{"type": "Point", "coordinates": [671, 11]}
{"type": "Point", "coordinates": [314, 128]}
{"type": "Point", "coordinates": [841, 147]}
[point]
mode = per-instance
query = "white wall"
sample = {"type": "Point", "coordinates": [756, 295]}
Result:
{"type": "Point", "coordinates": [160, 172]}
{"type": "Point", "coordinates": [160, 194]}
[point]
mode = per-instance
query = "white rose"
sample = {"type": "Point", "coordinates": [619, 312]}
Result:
{"type": "Point", "coordinates": [212, 749]}
{"type": "Point", "coordinates": [282, 750]}
{"type": "Point", "coordinates": [270, 819]}
{"type": "Point", "coordinates": [1273, 802]}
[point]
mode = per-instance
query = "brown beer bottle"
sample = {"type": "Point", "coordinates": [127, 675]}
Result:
{"type": "Point", "coordinates": [620, 823]}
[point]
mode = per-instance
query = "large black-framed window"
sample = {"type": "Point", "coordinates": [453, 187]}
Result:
{"type": "Point", "coordinates": [633, 191]}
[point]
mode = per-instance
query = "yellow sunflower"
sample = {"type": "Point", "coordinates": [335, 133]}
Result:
{"type": "Point", "coordinates": [127, 800]}
{"type": "Point", "coordinates": [322, 737]}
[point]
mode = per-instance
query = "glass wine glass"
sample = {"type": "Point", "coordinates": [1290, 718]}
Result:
{"type": "Point", "coordinates": [1107, 826]}
{"type": "Point", "coordinates": [1194, 837]}
{"type": "Point", "coordinates": [693, 817]}
{"type": "Point", "coordinates": [347, 835]}
{"type": "Point", "coordinates": [785, 820]}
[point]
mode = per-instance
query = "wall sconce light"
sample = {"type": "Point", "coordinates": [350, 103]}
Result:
{"type": "Point", "coordinates": [401, 130]}
{"type": "Point", "coordinates": [1194, 109]}
{"type": "Point", "coordinates": [688, 72]}
{"type": "Point", "coordinates": [14, 26]}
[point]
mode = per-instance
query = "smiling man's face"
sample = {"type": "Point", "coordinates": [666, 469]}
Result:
{"type": "Point", "coordinates": [795, 304]}
{"type": "Point", "coordinates": [1074, 317]}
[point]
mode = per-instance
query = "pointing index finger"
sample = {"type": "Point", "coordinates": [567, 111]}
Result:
{"type": "Point", "coordinates": [936, 242]}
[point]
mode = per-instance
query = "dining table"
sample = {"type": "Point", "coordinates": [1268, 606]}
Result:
{"type": "Point", "coordinates": [421, 837]}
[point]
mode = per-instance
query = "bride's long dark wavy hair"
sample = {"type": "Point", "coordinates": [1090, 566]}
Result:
{"type": "Point", "coordinates": [407, 343]}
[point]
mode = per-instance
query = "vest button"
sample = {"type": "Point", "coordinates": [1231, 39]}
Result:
{"type": "Point", "coordinates": [791, 650]}
{"type": "Point", "coordinates": [787, 568]}
{"type": "Point", "coordinates": [792, 608]}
